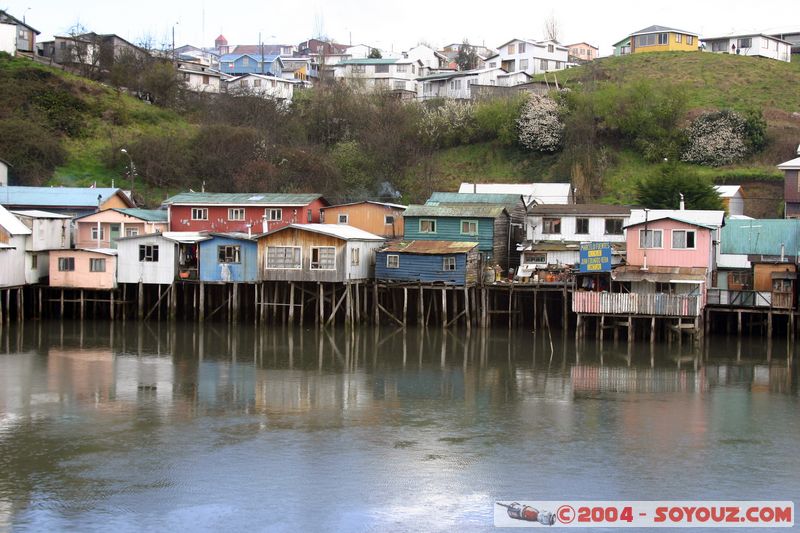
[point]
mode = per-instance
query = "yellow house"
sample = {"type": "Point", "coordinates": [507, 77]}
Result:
{"type": "Point", "coordinates": [663, 39]}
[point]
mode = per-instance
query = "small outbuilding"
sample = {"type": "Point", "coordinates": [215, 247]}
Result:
{"type": "Point", "coordinates": [448, 262]}
{"type": "Point", "coordinates": [228, 257]}
{"type": "Point", "coordinates": [84, 269]}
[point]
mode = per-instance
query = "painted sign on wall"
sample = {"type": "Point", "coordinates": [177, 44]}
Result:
{"type": "Point", "coordinates": [595, 257]}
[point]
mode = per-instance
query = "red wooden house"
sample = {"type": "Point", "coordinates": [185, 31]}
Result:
{"type": "Point", "coordinates": [241, 212]}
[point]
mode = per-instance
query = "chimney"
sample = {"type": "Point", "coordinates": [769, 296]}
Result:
{"type": "Point", "coordinates": [264, 224]}
{"type": "Point", "coordinates": [683, 206]}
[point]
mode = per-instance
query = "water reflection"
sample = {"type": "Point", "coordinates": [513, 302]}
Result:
{"type": "Point", "coordinates": [101, 421]}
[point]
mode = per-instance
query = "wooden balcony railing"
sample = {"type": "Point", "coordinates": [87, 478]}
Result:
{"type": "Point", "coordinates": [614, 303]}
{"type": "Point", "coordinates": [751, 299]}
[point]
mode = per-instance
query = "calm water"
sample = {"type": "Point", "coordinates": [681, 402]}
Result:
{"type": "Point", "coordinates": [112, 428]}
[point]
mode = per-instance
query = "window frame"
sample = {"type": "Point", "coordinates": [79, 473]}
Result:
{"type": "Point", "coordinates": [392, 260]}
{"type": "Point", "coordinates": [548, 223]}
{"type": "Point", "coordinates": [469, 223]}
{"type": "Point", "coordinates": [299, 262]}
{"type": "Point", "coordinates": [578, 221]}
{"type": "Point", "coordinates": [686, 239]}
{"type": "Point", "coordinates": [232, 254]}
{"type": "Point", "coordinates": [355, 256]}
{"type": "Point", "coordinates": [621, 223]}
{"type": "Point", "coordinates": [345, 216]}
{"type": "Point", "coordinates": [199, 213]}
{"type": "Point", "coordinates": [131, 232]}
{"type": "Point", "coordinates": [93, 261]}
{"type": "Point", "coordinates": [431, 221]}
{"type": "Point", "coordinates": [534, 255]}
{"type": "Point", "coordinates": [34, 261]}
{"type": "Point", "coordinates": [449, 263]}
{"type": "Point", "coordinates": [270, 211]}
{"type": "Point", "coordinates": [102, 233]}
{"type": "Point", "coordinates": [386, 221]}
{"type": "Point", "coordinates": [660, 233]}
{"type": "Point", "coordinates": [234, 212]}
{"type": "Point", "coordinates": [318, 250]}
{"type": "Point", "coordinates": [66, 264]}
{"type": "Point", "coordinates": [148, 253]}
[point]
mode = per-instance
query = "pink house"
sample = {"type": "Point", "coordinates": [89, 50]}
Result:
{"type": "Point", "coordinates": [103, 228]}
{"type": "Point", "coordinates": [83, 269]}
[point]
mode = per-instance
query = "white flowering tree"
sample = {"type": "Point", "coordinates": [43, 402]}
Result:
{"type": "Point", "coordinates": [716, 139]}
{"type": "Point", "coordinates": [540, 126]}
{"type": "Point", "coordinates": [450, 123]}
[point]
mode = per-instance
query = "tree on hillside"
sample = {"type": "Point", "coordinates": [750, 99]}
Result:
{"type": "Point", "coordinates": [467, 57]}
{"type": "Point", "coordinates": [374, 53]}
{"type": "Point", "coordinates": [663, 190]}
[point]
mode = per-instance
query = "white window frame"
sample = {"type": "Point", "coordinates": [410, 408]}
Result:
{"type": "Point", "coordinates": [131, 232]}
{"type": "Point", "coordinates": [686, 239]}
{"type": "Point", "coordinates": [654, 232]}
{"type": "Point", "coordinates": [469, 224]}
{"type": "Point", "coordinates": [433, 225]}
{"type": "Point", "coordinates": [392, 261]}
{"type": "Point", "coordinates": [274, 213]}
{"type": "Point", "coordinates": [343, 218]}
{"type": "Point", "coordinates": [449, 263]}
{"type": "Point", "coordinates": [236, 213]}
{"type": "Point", "coordinates": [232, 254]}
{"type": "Point", "coordinates": [199, 213]}
{"type": "Point", "coordinates": [318, 249]}
{"type": "Point", "coordinates": [94, 233]}
{"type": "Point", "coordinates": [299, 262]}
{"type": "Point", "coordinates": [387, 221]}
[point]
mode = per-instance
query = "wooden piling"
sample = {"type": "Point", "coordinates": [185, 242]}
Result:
{"type": "Point", "coordinates": [140, 302]}
{"type": "Point", "coordinates": [202, 304]}
{"type": "Point", "coordinates": [405, 306]}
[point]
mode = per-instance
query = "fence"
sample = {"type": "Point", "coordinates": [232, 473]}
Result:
{"type": "Point", "coordinates": [612, 303]}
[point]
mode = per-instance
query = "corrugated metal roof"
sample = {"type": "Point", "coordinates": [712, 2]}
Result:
{"type": "Point", "coordinates": [792, 164]}
{"type": "Point", "coordinates": [58, 196]}
{"type": "Point", "coordinates": [177, 236]}
{"type": "Point", "coordinates": [233, 235]}
{"type": "Point", "coordinates": [472, 210]}
{"type": "Point", "coordinates": [37, 213]}
{"type": "Point", "coordinates": [150, 215]}
{"type": "Point", "coordinates": [104, 251]}
{"type": "Point", "coordinates": [12, 224]}
{"type": "Point", "coordinates": [579, 209]}
{"type": "Point", "coordinates": [340, 231]}
{"type": "Point", "coordinates": [255, 198]}
{"type": "Point", "coordinates": [760, 236]}
{"type": "Point", "coordinates": [430, 247]}
{"type": "Point", "coordinates": [658, 274]}
{"type": "Point", "coordinates": [658, 29]}
{"type": "Point", "coordinates": [685, 220]}
{"type": "Point", "coordinates": [439, 198]}
{"type": "Point", "coordinates": [394, 206]}
{"type": "Point", "coordinates": [541, 193]}
{"type": "Point", "coordinates": [690, 216]}
{"type": "Point", "coordinates": [727, 191]}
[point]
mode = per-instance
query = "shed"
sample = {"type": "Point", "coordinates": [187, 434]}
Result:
{"type": "Point", "coordinates": [488, 225]}
{"type": "Point", "coordinates": [385, 220]}
{"type": "Point", "coordinates": [159, 258]}
{"type": "Point", "coordinates": [732, 198]}
{"type": "Point", "coordinates": [449, 262]}
{"type": "Point", "coordinates": [228, 257]}
{"type": "Point", "coordinates": [84, 269]}
{"type": "Point", "coordinates": [49, 231]}
{"type": "Point", "coordinates": [317, 252]}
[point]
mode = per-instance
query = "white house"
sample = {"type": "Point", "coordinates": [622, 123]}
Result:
{"type": "Point", "coordinates": [198, 77]}
{"type": "Point", "coordinates": [429, 58]}
{"type": "Point", "coordinates": [533, 193]}
{"type": "Point", "coordinates": [49, 231]}
{"type": "Point", "coordinates": [533, 57]}
{"type": "Point", "coordinates": [13, 237]}
{"type": "Point", "coordinates": [4, 172]}
{"type": "Point", "coordinates": [380, 74]}
{"type": "Point", "coordinates": [459, 84]}
{"type": "Point", "coordinates": [555, 233]}
{"type": "Point", "coordinates": [751, 44]}
{"type": "Point", "coordinates": [159, 258]}
{"type": "Point", "coordinates": [732, 198]}
{"type": "Point", "coordinates": [261, 85]}
{"type": "Point", "coordinates": [8, 38]}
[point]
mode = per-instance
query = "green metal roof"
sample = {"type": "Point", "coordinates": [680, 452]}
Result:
{"type": "Point", "coordinates": [253, 198]}
{"type": "Point", "coordinates": [506, 200]}
{"type": "Point", "coordinates": [149, 215]}
{"type": "Point", "coordinates": [471, 210]}
{"type": "Point", "coordinates": [760, 236]}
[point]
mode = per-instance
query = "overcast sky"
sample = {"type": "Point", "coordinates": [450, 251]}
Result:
{"type": "Point", "coordinates": [397, 25]}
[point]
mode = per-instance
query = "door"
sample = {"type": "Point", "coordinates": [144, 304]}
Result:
{"type": "Point", "coordinates": [113, 235]}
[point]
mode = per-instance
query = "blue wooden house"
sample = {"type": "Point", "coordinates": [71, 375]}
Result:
{"type": "Point", "coordinates": [238, 64]}
{"type": "Point", "coordinates": [449, 262]}
{"type": "Point", "coordinates": [488, 225]}
{"type": "Point", "coordinates": [228, 257]}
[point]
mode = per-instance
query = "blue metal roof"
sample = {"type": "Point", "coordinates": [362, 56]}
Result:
{"type": "Point", "coordinates": [266, 58]}
{"type": "Point", "coordinates": [761, 236]}
{"type": "Point", "coordinates": [57, 196]}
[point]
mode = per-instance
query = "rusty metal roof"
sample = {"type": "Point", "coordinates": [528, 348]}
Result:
{"type": "Point", "coordinates": [471, 210]}
{"type": "Point", "coordinates": [659, 274]}
{"type": "Point", "coordinates": [430, 247]}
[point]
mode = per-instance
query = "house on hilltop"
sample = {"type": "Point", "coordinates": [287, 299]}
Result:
{"type": "Point", "coordinates": [662, 39]}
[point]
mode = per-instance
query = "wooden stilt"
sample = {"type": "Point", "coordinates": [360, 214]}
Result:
{"type": "Point", "coordinates": [61, 314]}
{"type": "Point", "coordinates": [376, 311]}
{"type": "Point", "coordinates": [140, 302]}
{"type": "Point", "coordinates": [630, 329]}
{"type": "Point", "coordinates": [444, 308]}
{"type": "Point", "coordinates": [739, 324]}
{"type": "Point", "coordinates": [405, 306]}
{"type": "Point", "coordinates": [420, 306]}
{"type": "Point", "coordinates": [321, 300]}
{"type": "Point", "coordinates": [291, 304]}
{"type": "Point", "coordinates": [111, 306]}
{"type": "Point", "coordinates": [357, 306]}
{"type": "Point", "coordinates": [202, 304]}
{"type": "Point", "coordinates": [82, 304]}
{"type": "Point", "coordinates": [769, 325]}
{"type": "Point", "coordinates": [467, 309]}
{"type": "Point", "coordinates": [652, 330]}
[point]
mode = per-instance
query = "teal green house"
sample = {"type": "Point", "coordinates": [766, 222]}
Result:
{"type": "Point", "coordinates": [488, 225]}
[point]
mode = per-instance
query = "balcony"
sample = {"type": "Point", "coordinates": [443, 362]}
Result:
{"type": "Point", "coordinates": [751, 299]}
{"type": "Point", "coordinates": [618, 303]}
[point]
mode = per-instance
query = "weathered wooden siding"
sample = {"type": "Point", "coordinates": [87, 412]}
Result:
{"type": "Point", "coordinates": [762, 274]}
{"type": "Point", "coordinates": [131, 270]}
{"type": "Point", "coordinates": [369, 217]}
{"type": "Point", "coordinates": [246, 270]}
{"type": "Point", "coordinates": [500, 249]}
{"type": "Point", "coordinates": [306, 240]}
{"type": "Point", "coordinates": [82, 277]}
{"type": "Point", "coordinates": [636, 304]}
{"type": "Point", "coordinates": [493, 246]}
{"type": "Point", "coordinates": [366, 267]}
{"type": "Point", "coordinates": [427, 268]}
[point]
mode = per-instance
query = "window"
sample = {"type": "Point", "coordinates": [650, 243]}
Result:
{"type": "Point", "coordinates": [469, 227]}
{"type": "Point", "coordinates": [543, 64]}
{"type": "Point", "coordinates": [492, 64]}
{"type": "Point", "coordinates": [613, 226]}
{"type": "Point", "coordinates": [719, 46]}
{"type": "Point", "coordinates": [523, 64]}
{"type": "Point", "coordinates": [399, 85]}
{"type": "Point", "coordinates": [274, 214]}
{"type": "Point", "coordinates": [650, 238]}
{"type": "Point", "coordinates": [663, 38]}
{"type": "Point", "coordinates": [535, 258]}
{"type": "Point", "coordinates": [355, 256]}
{"type": "Point", "coordinates": [34, 261]}
{"type": "Point", "coordinates": [402, 68]}
{"type": "Point", "coordinates": [550, 48]}
{"type": "Point", "coordinates": [199, 213]}
{"type": "Point", "coordinates": [448, 264]}
{"type": "Point", "coordinates": [287, 257]}
{"type": "Point", "coordinates": [206, 80]}
{"type": "Point", "coordinates": [582, 226]}
{"type": "Point", "coordinates": [427, 225]}
{"type": "Point", "coordinates": [559, 65]}
{"type": "Point", "coordinates": [677, 37]}
{"type": "Point", "coordinates": [256, 83]}
{"type": "Point", "coordinates": [551, 225]}
{"type": "Point", "coordinates": [645, 40]}
{"type": "Point", "coordinates": [148, 253]}
{"type": "Point", "coordinates": [236, 213]}
{"type": "Point", "coordinates": [381, 69]}
{"type": "Point", "coordinates": [521, 48]}
{"type": "Point", "coordinates": [689, 39]}
{"type": "Point", "coordinates": [228, 253]}
{"type": "Point", "coordinates": [23, 34]}
{"type": "Point", "coordinates": [511, 49]}
{"type": "Point", "coordinates": [358, 69]}
{"type": "Point", "coordinates": [245, 61]}
{"type": "Point", "coordinates": [243, 83]}
{"type": "Point", "coordinates": [323, 258]}
{"type": "Point", "coordinates": [95, 233]}
{"type": "Point", "coordinates": [310, 215]}
{"type": "Point", "coordinates": [97, 265]}
{"type": "Point", "coordinates": [344, 218]}
{"type": "Point", "coordinates": [392, 261]}
{"type": "Point", "coordinates": [388, 220]}
{"type": "Point", "coordinates": [745, 42]}
{"type": "Point", "coordinates": [66, 264]}
{"type": "Point", "coordinates": [131, 232]}
{"type": "Point", "coordinates": [683, 239]}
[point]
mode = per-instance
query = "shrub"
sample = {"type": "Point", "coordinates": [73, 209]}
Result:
{"type": "Point", "coordinates": [448, 123]}
{"type": "Point", "coordinates": [497, 119]}
{"type": "Point", "coordinates": [540, 127]}
{"type": "Point", "coordinates": [718, 138]}
{"type": "Point", "coordinates": [663, 189]}
{"type": "Point", "coordinates": [33, 151]}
